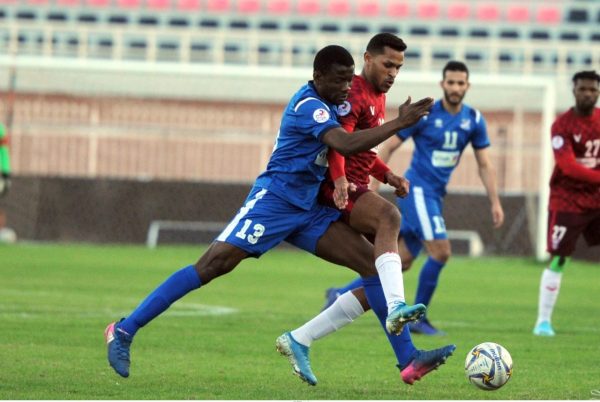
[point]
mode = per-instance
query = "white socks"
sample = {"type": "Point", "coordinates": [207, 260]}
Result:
{"type": "Point", "coordinates": [549, 288]}
{"type": "Point", "coordinates": [342, 312]}
{"type": "Point", "coordinates": [389, 268]}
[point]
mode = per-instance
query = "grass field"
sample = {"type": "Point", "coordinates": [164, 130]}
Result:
{"type": "Point", "coordinates": [218, 342]}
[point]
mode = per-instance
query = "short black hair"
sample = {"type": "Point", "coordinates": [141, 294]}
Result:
{"type": "Point", "coordinates": [330, 55]}
{"type": "Point", "coordinates": [586, 75]}
{"type": "Point", "coordinates": [378, 42]}
{"type": "Point", "coordinates": [454, 65]}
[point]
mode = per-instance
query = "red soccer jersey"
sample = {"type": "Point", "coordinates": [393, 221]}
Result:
{"type": "Point", "coordinates": [575, 182]}
{"type": "Point", "coordinates": [364, 109]}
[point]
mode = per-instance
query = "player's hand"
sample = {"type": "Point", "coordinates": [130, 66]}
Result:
{"type": "Point", "coordinates": [4, 184]}
{"type": "Point", "coordinates": [410, 113]}
{"type": "Point", "coordinates": [340, 192]}
{"type": "Point", "coordinates": [497, 215]}
{"type": "Point", "coordinates": [401, 184]}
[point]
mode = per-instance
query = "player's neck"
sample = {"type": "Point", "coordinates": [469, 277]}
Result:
{"type": "Point", "coordinates": [450, 108]}
{"type": "Point", "coordinates": [583, 113]}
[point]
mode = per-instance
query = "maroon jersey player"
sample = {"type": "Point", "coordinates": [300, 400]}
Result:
{"type": "Point", "coordinates": [574, 208]}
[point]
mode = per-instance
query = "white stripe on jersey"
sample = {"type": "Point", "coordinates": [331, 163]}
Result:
{"type": "Point", "coordinates": [243, 211]}
{"type": "Point", "coordinates": [422, 213]}
{"type": "Point", "coordinates": [306, 100]}
{"type": "Point", "coordinates": [477, 116]}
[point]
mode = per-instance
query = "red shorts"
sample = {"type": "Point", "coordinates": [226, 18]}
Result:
{"type": "Point", "coordinates": [564, 228]}
{"type": "Point", "coordinates": [326, 198]}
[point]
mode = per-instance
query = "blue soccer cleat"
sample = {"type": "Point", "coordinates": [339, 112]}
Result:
{"type": "Point", "coordinates": [297, 354]}
{"type": "Point", "coordinates": [118, 343]}
{"type": "Point", "coordinates": [544, 328]}
{"type": "Point", "coordinates": [402, 314]}
{"type": "Point", "coordinates": [424, 362]}
{"type": "Point", "coordinates": [424, 327]}
{"type": "Point", "coordinates": [331, 296]}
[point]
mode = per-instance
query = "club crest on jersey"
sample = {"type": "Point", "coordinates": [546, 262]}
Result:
{"type": "Point", "coordinates": [557, 142]}
{"type": "Point", "coordinates": [344, 109]}
{"type": "Point", "coordinates": [438, 123]}
{"type": "Point", "coordinates": [321, 115]}
{"type": "Point", "coordinates": [465, 124]}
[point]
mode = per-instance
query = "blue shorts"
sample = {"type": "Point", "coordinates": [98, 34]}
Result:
{"type": "Point", "coordinates": [266, 220]}
{"type": "Point", "coordinates": [422, 218]}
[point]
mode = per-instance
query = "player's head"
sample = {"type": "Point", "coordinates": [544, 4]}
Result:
{"type": "Point", "coordinates": [383, 59]}
{"type": "Point", "coordinates": [455, 82]}
{"type": "Point", "coordinates": [333, 69]}
{"type": "Point", "coordinates": [586, 90]}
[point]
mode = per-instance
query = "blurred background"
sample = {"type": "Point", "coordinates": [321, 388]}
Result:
{"type": "Point", "coordinates": [147, 120]}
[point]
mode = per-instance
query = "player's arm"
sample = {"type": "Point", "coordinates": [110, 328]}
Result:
{"type": "Point", "coordinates": [567, 163]}
{"type": "Point", "coordinates": [4, 162]}
{"type": "Point", "coordinates": [408, 114]}
{"type": "Point", "coordinates": [487, 173]}
{"type": "Point", "coordinates": [385, 152]}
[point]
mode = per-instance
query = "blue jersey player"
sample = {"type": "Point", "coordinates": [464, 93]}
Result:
{"type": "Point", "coordinates": [440, 139]}
{"type": "Point", "coordinates": [282, 206]}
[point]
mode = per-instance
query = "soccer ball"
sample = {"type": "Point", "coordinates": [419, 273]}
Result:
{"type": "Point", "coordinates": [488, 366]}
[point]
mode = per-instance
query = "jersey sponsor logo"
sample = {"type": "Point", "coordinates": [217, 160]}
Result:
{"type": "Point", "coordinates": [588, 162]}
{"type": "Point", "coordinates": [465, 124]}
{"type": "Point", "coordinates": [344, 109]}
{"type": "Point", "coordinates": [444, 158]}
{"type": "Point", "coordinates": [577, 137]}
{"type": "Point", "coordinates": [557, 142]}
{"type": "Point", "coordinates": [321, 159]}
{"type": "Point", "coordinates": [321, 115]}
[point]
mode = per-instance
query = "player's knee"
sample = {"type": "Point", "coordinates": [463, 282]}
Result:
{"type": "Point", "coordinates": [391, 216]}
{"type": "Point", "coordinates": [442, 255]}
{"type": "Point", "coordinates": [558, 263]}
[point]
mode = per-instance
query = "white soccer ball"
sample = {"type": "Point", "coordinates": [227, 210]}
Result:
{"type": "Point", "coordinates": [488, 366]}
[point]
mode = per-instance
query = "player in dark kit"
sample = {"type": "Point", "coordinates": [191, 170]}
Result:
{"type": "Point", "coordinates": [282, 206]}
{"type": "Point", "coordinates": [365, 210]}
{"type": "Point", "coordinates": [574, 207]}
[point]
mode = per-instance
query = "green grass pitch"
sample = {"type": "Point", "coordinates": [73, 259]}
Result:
{"type": "Point", "coordinates": [218, 342]}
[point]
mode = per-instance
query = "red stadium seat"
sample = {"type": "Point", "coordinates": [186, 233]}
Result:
{"type": "Point", "coordinates": [488, 12]}
{"type": "Point", "coordinates": [458, 11]}
{"type": "Point", "coordinates": [248, 6]}
{"type": "Point", "coordinates": [428, 11]}
{"type": "Point", "coordinates": [218, 5]}
{"type": "Point", "coordinates": [279, 6]}
{"type": "Point", "coordinates": [368, 8]}
{"type": "Point", "coordinates": [188, 5]}
{"type": "Point", "coordinates": [128, 3]}
{"type": "Point", "coordinates": [37, 2]}
{"type": "Point", "coordinates": [338, 8]}
{"type": "Point", "coordinates": [397, 9]}
{"type": "Point", "coordinates": [309, 7]}
{"type": "Point", "coordinates": [98, 3]}
{"type": "Point", "coordinates": [548, 15]}
{"type": "Point", "coordinates": [158, 4]}
{"type": "Point", "coordinates": [68, 3]}
{"type": "Point", "coordinates": [517, 13]}
{"type": "Point", "coordinates": [8, 1]}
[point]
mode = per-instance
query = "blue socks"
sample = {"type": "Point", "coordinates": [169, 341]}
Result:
{"type": "Point", "coordinates": [402, 344]}
{"type": "Point", "coordinates": [174, 288]}
{"type": "Point", "coordinates": [428, 280]}
{"type": "Point", "coordinates": [357, 283]}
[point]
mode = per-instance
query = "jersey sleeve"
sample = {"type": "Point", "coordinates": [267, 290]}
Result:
{"type": "Point", "coordinates": [315, 118]}
{"type": "Point", "coordinates": [337, 164]}
{"type": "Point", "coordinates": [480, 137]}
{"type": "Point", "coordinates": [379, 169]}
{"type": "Point", "coordinates": [565, 157]}
{"type": "Point", "coordinates": [405, 133]}
{"type": "Point", "coordinates": [350, 112]}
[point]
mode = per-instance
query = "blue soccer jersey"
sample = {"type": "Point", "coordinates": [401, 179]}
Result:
{"type": "Point", "coordinates": [440, 138]}
{"type": "Point", "coordinates": [299, 160]}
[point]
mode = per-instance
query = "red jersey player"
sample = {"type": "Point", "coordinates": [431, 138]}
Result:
{"type": "Point", "coordinates": [366, 211]}
{"type": "Point", "coordinates": [574, 208]}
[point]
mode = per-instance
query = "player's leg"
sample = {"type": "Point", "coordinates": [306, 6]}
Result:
{"type": "Point", "coordinates": [563, 231]}
{"type": "Point", "coordinates": [237, 241]}
{"type": "Point", "coordinates": [372, 214]}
